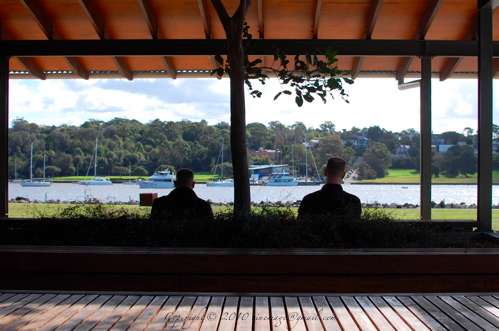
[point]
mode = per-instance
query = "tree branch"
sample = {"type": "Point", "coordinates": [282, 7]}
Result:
{"type": "Point", "coordinates": [222, 14]}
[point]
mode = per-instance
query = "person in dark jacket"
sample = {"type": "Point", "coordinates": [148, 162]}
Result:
{"type": "Point", "coordinates": [331, 199]}
{"type": "Point", "coordinates": [182, 202]}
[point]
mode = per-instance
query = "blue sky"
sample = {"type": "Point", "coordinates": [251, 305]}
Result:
{"type": "Point", "coordinates": [373, 101]}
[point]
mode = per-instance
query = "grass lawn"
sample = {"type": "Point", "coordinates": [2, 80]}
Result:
{"type": "Point", "coordinates": [411, 176]}
{"type": "Point", "coordinates": [39, 210]}
{"type": "Point", "coordinates": [199, 177]}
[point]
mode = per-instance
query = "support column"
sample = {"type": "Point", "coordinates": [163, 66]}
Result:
{"type": "Point", "coordinates": [4, 139]}
{"type": "Point", "coordinates": [485, 90]}
{"type": "Point", "coordinates": [425, 138]}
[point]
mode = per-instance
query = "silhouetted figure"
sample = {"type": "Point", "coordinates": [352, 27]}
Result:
{"type": "Point", "coordinates": [182, 202]}
{"type": "Point", "coordinates": [331, 199]}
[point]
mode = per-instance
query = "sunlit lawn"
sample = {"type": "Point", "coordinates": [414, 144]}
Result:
{"type": "Point", "coordinates": [38, 210]}
{"type": "Point", "coordinates": [411, 176]}
{"type": "Point", "coordinates": [199, 177]}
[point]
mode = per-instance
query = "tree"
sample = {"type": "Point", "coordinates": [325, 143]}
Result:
{"type": "Point", "coordinates": [327, 127]}
{"type": "Point", "coordinates": [379, 158]}
{"type": "Point", "coordinates": [365, 171]}
{"type": "Point", "coordinates": [319, 81]}
{"type": "Point", "coordinates": [459, 160]}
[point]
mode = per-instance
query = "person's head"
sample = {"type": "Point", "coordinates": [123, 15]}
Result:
{"type": "Point", "coordinates": [335, 170]}
{"type": "Point", "coordinates": [185, 178]}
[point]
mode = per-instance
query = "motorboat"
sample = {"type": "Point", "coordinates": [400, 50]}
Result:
{"type": "Point", "coordinates": [160, 179]}
{"type": "Point", "coordinates": [35, 182]}
{"type": "Point", "coordinates": [282, 179]}
{"type": "Point", "coordinates": [221, 183]}
{"type": "Point", "coordinates": [96, 180]}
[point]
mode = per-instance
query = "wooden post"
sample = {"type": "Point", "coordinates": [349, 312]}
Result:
{"type": "Point", "coordinates": [4, 140]}
{"type": "Point", "coordinates": [485, 90]}
{"type": "Point", "coordinates": [425, 146]}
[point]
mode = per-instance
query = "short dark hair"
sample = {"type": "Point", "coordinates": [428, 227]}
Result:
{"type": "Point", "coordinates": [336, 166]}
{"type": "Point", "coordinates": [185, 175]}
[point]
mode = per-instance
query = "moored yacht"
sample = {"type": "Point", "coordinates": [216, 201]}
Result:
{"type": "Point", "coordinates": [160, 179]}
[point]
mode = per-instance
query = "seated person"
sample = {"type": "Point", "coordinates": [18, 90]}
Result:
{"type": "Point", "coordinates": [182, 202]}
{"type": "Point", "coordinates": [331, 199]}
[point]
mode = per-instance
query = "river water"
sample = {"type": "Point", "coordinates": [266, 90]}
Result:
{"type": "Point", "coordinates": [398, 194]}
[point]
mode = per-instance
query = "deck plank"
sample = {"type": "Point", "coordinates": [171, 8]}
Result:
{"type": "Point", "coordinates": [27, 318]}
{"type": "Point", "coordinates": [245, 314]}
{"type": "Point", "coordinates": [425, 317]}
{"type": "Point", "coordinates": [390, 314]}
{"type": "Point", "coordinates": [328, 319]}
{"type": "Point", "coordinates": [6, 296]}
{"type": "Point", "coordinates": [374, 314]}
{"type": "Point", "coordinates": [294, 314]}
{"type": "Point", "coordinates": [404, 313]}
{"type": "Point", "coordinates": [262, 314]}
{"type": "Point", "coordinates": [213, 314]}
{"type": "Point", "coordinates": [177, 320]}
{"type": "Point", "coordinates": [66, 314]}
{"type": "Point", "coordinates": [311, 316]}
{"type": "Point", "coordinates": [344, 319]}
{"type": "Point", "coordinates": [490, 299]}
{"type": "Point", "coordinates": [436, 312]}
{"type": "Point", "coordinates": [361, 319]}
{"type": "Point", "coordinates": [474, 316]}
{"type": "Point", "coordinates": [229, 314]}
{"type": "Point", "coordinates": [24, 310]}
{"type": "Point", "coordinates": [135, 312]}
{"type": "Point", "coordinates": [452, 313]}
{"type": "Point", "coordinates": [148, 314]}
{"type": "Point", "coordinates": [159, 321]}
{"type": "Point", "coordinates": [93, 319]}
{"type": "Point", "coordinates": [278, 314]}
{"type": "Point", "coordinates": [51, 313]}
{"type": "Point", "coordinates": [198, 313]}
{"type": "Point", "coordinates": [83, 312]}
{"type": "Point", "coordinates": [16, 302]}
{"type": "Point", "coordinates": [490, 314]}
{"type": "Point", "coordinates": [131, 314]}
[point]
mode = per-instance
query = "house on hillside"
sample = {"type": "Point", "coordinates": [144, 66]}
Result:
{"type": "Point", "coordinates": [359, 142]}
{"type": "Point", "coordinates": [401, 150]}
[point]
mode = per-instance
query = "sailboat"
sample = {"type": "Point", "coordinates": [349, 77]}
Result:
{"type": "Point", "coordinates": [96, 180]}
{"type": "Point", "coordinates": [305, 181]}
{"type": "Point", "coordinates": [129, 175]}
{"type": "Point", "coordinates": [221, 181]}
{"type": "Point", "coordinates": [32, 182]}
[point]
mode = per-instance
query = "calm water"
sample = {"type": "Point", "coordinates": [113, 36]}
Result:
{"type": "Point", "coordinates": [367, 193]}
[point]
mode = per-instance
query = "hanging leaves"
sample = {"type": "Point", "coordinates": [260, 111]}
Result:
{"type": "Point", "coordinates": [317, 74]}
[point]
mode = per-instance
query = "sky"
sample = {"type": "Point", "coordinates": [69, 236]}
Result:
{"type": "Point", "coordinates": [372, 101]}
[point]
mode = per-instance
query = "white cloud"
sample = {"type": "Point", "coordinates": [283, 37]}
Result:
{"type": "Point", "coordinates": [372, 102]}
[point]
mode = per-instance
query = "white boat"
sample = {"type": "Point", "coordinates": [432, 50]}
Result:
{"type": "Point", "coordinates": [96, 180]}
{"type": "Point", "coordinates": [282, 179]}
{"type": "Point", "coordinates": [221, 182]}
{"type": "Point", "coordinates": [34, 182]}
{"type": "Point", "coordinates": [160, 179]}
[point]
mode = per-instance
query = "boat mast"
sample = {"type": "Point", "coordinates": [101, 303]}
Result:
{"type": "Point", "coordinates": [306, 158]}
{"type": "Point", "coordinates": [31, 164]}
{"type": "Point", "coordinates": [95, 163]}
{"type": "Point", "coordinates": [222, 164]}
{"type": "Point", "coordinates": [44, 159]}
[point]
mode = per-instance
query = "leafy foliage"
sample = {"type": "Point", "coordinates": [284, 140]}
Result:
{"type": "Point", "coordinates": [307, 76]}
{"type": "Point", "coordinates": [99, 225]}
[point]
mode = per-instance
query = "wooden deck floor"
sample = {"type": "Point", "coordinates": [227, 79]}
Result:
{"type": "Point", "coordinates": [52, 311]}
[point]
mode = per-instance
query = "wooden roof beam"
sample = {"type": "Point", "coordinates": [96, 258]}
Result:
{"type": "Point", "coordinates": [47, 27]}
{"type": "Point", "coordinates": [98, 23]}
{"type": "Point", "coordinates": [261, 26]}
{"type": "Point", "coordinates": [423, 27]}
{"type": "Point", "coordinates": [372, 18]}
{"type": "Point", "coordinates": [205, 19]}
{"type": "Point", "coordinates": [317, 17]}
{"type": "Point", "coordinates": [94, 17]}
{"type": "Point", "coordinates": [149, 17]}
{"type": "Point", "coordinates": [27, 62]}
